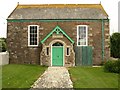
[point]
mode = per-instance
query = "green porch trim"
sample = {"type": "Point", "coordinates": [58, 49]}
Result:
{"type": "Point", "coordinates": [102, 39]}
{"type": "Point", "coordinates": [57, 29]}
{"type": "Point", "coordinates": [53, 20]}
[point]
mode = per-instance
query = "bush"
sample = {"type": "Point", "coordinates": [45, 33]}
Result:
{"type": "Point", "coordinates": [2, 44]}
{"type": "Point", "coordinates": [112, 66]}
{"type": "Point", "coordinates": [115, 45]}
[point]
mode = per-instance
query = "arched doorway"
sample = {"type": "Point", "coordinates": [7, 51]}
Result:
{"type": "Point", "coordinates": [57, 54]}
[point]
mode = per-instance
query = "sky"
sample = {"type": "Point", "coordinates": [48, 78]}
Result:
{"type": "Point", "coordinates": [110, 6]}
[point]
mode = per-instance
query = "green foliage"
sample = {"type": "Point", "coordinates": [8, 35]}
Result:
{"type": "Point", "coordinates": [2, 44]}
{"type": "Point", "coordinates": [115, 45]}
{"type": "Point", "coordinates": [112, 66]}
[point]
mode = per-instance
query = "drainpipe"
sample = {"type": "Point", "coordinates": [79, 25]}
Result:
{"type": "Point", "coordinates": [102, 39]}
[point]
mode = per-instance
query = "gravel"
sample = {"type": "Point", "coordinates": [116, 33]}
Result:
{"type": "Point", "coordinates": [54, 77]}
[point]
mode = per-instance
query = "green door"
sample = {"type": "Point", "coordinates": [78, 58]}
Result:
{"type": "Point", "coordinates": [57, 56]}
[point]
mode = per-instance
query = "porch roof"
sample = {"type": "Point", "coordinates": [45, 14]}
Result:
{"type": "Point", "coordinates": [58, 30]}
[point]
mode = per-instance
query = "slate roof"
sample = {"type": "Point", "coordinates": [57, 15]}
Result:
{"type": "Point", "coordinates": [59, 11]}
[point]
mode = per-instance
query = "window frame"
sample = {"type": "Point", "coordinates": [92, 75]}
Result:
{"type": "Point", "coordinates": [86, 34]}
{"type": "Point", "coordinates": [29, 35]}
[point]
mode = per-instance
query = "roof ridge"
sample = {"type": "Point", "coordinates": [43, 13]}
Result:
{"type": "Point", "coordinates": [59, 5]}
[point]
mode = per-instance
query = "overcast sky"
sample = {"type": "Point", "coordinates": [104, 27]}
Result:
{"type": "Point", "coordinates": [110, 6]}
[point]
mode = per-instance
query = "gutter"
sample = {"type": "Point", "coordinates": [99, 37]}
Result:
{"type": "Point", "coordinates": [103, 53]}
{"type": "Point", "coordinates": [52, 20]}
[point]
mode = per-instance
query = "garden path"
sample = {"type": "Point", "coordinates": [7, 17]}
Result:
{"type": "Point", "coordinates": [54, 77]}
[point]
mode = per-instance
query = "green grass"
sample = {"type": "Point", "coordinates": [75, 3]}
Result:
{"type": "Point", "coordinates": [20, 76]}
{"type": "Point", "coordinates": [93, 77]}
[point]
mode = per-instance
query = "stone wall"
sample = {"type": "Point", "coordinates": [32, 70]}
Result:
{"type": "Point", "coordinates": [106, 41]}
{"type": "Point", "coordinates": [20, 52]}
{"type": "Point", "coordinates": [17, 41]}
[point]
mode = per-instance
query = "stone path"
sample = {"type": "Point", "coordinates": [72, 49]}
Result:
{"type": "Point", "coordinates": [54, 77]}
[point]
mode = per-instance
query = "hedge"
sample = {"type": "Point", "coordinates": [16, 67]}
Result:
{"type": "Point", "coordinates": [112, 66]}
{"type": "Point", "coordinates": [115, 45]}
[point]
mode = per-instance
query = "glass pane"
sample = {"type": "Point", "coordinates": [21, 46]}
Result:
{"type": "Point", "coordinates": [31, 27]}
{"type": "Point", "coordinates": [84, 28]}
{"type": "Point", "coordinates": [35, 42]}
{"type": "Point", "coordinates": [31, 30]}
{"type": "Point", "coordinates": [84, 31]}
{"type": "Point", "coordinates": [35, 30]}
{"type": "Point", "coordinates": [47, 52]}
{"type": "Point", "coordinates": [57, 44]}
{"type": "Point", "coordinates": [31, 39]}
{"type": "Point", "coordinates": [31, 35]}
{"type": "Point", "coordinates": [35, 35]}
{"type": "Point", "coordinates": [68, 51]}
{"type": "Point", "coordinates": [35, 39]}
{"type": "Point", "coordinates": [31, 43]}
{"type": "Point", "coordinates": [79, 43]}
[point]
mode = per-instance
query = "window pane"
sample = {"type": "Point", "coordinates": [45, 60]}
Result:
{"type": "Point", "coordinates": [35, 29]}
{"type": "Point", "coordinates": [31, 35]}
{"type": "Point", "coordinates": [47, 50]}
{"type": "Point", "coordinates": [35, 42]}
{"type": "Point", "coordinates": [35, 39]}
{"type": "Point", "coordinates": [68, 52]}
{"type": "Point", "coordinates": [31, 43]}
{"type": "Point", "coordinates": [31, 30]}
{"type": "Point", "coordinates": [35, 35]}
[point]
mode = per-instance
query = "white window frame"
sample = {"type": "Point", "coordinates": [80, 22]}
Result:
{"type": "Point", "coordinates": [86, 34]}
{"type": "Point", "coordinates": [29, 36]}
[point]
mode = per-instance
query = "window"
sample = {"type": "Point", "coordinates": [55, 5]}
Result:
{"type": "Point", "coordinates": [82, 35]}
{"type": "Point", "coordinates": [67, 51]}
{"type": "Point", "coordinates": [33, 35]}
{"type": "Point", "coordinates": [47, 51]}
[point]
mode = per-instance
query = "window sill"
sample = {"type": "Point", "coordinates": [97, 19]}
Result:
{"type": "Point", "coordinates": [32, 45]}
{"type": "Point", "coordinates": [67, 55]}
{"type": "Point", "coordinates": [81, 45]}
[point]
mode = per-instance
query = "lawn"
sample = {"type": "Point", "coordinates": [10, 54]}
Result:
{"type": "Point", "coordinates": [92, 77]}
{"type": "Point", "coordinates": [20, 76]}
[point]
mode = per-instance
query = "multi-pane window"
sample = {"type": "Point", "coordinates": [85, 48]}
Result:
{"type": "Point", "coordinates": [82, 35]}
{"type": "Point", "coordinates": [32, 35]}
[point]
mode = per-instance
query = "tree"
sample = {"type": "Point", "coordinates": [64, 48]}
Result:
{"type": "Point", "coordinates": [2, 44]}
{"type": "Point", "coordinates": [115, 45]}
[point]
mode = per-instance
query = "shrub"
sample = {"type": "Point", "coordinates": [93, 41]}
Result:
{"type": "Point", "coordinates": [115, 45]}
{"type": "Point", "coordinates": [2, 44]}
{"type": "Point", "coordinates": [112, 66]}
